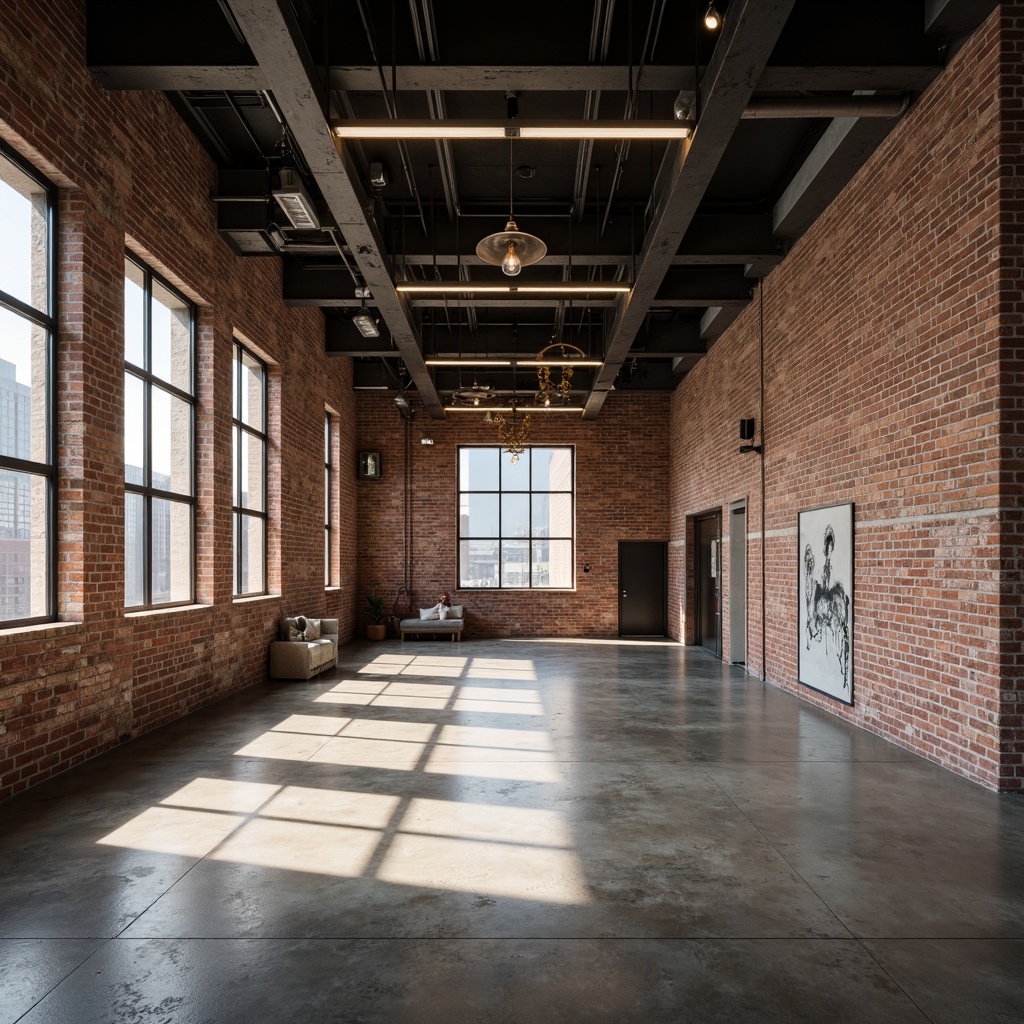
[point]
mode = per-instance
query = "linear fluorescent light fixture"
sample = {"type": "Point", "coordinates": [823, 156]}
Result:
{"type": "Point", "coordinates": [453, 129]}
{"type": "Point", "coordinates": [468, 288]}
{"type": "Point", "coordinates": [525, 364]}
{"type": "Point", "coordinates": [531, 409]}
{"type": "Point", "coordinates": [294, 201]}
{"type": "Point", "coordinates": [365, 324]}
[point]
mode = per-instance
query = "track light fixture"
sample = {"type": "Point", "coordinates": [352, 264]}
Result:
{"type": "Point", "coordinates": [366, 324]}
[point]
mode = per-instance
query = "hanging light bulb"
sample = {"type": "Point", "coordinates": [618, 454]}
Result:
{"type": "Point", "coordinates": [712, 19]}
{"type": "Point", "coordinates": [511, 264]}
{"type": "Point", "coordinates": [511, 249]}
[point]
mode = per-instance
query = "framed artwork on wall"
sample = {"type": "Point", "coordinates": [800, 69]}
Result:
{"type": "Point", "coordinates": [825, 572]}
{"type": "Point", "coordinates": [369, 466]}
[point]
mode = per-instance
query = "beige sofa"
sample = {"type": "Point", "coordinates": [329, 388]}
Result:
{"type": "Point", "coordinates": [293, 656]}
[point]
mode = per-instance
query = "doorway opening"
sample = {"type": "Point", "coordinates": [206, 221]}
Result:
{"type": "Point", "coordinates": [738, 582]}
{"type": "Point", "coordinates": [707, 582]}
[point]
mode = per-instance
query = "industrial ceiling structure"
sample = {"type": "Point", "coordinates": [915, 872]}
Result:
{"type": "Point", "coordinates": [663, 165]}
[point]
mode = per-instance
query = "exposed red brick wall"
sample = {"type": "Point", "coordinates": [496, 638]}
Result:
{"type": "Point", "coordinates": [131, 173]}
{"type": "Point", "coordinates": [620, 495]}
{"type": "Point", "coordinates": [1011, 98]}
{"type": "Point", "coordinates": [885, 376]}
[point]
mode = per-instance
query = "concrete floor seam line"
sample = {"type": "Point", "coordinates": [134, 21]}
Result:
{"type": "Point", "coordinates": [895, 981]}
{"type": "Point", "coordinates": [785, 860]}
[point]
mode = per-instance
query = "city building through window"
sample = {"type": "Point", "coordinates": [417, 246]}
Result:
{"type": "Point", "coordinates": [249, 427]}
{"type": "Point", "coordinates": [27, 475]}
{"type": "Point", "coordinates": [159, 448]}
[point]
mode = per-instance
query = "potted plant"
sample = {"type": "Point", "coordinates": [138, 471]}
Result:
{"type": "Point", "coordinates": [375, 607]}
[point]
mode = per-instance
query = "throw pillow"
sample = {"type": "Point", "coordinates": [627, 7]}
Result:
{"type": "Point", "coordinates": [455, 612]}
{"type": "Point", "coordinates": [428, 613]}
{"type": "Point", "coordinates": [312, 629]}
{"type": "Point", "coordinates": [289, 629]}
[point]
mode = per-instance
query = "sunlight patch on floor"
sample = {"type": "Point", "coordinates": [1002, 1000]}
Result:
{"type": "Point", "coordinates": [301, 846]}
{"type": "Point", "coordinates": [476, 848]}
{"type": "Point", "coordinates": [497, 869]}
{"type": "Point", "coordinates": [174, 830]}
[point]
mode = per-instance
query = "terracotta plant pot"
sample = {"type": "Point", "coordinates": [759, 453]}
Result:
{"type": "Point", "coordinates": [376, 632]}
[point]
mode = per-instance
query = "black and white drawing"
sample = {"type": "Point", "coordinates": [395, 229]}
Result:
{"type": "Point", "coordinates": [826, 601]}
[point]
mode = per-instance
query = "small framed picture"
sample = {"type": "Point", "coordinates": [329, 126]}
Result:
{"type": "Point", "coordinates": [369, 466]}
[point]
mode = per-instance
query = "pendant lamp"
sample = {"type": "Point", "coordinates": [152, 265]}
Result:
{"type": "Point", "coordinates": [511, 249]}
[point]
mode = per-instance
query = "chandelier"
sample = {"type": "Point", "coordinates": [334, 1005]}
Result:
{"type": "Point", "coordinates": [560, 354]}
{"type": "Point", "coordinates": [513, 430]}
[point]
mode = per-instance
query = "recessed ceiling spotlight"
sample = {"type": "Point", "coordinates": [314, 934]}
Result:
{"type": "Point", "coordinates": [526, 171]}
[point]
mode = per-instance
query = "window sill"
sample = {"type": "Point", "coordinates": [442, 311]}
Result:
{"type": "Point", "coordinates": [332, 590]}
{"type": "Point", "coordinates": [177, 609]}
{"type": "Point", "coordinates": [40, 630]}
{"type": "Point", "coordinates": [255, 598]}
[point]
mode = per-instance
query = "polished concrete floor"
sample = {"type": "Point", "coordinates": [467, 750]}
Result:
{"type": "Point", "coordinates": [506, 831]}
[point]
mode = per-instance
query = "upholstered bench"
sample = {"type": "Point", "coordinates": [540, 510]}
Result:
{"type": "Point", "coordinates": [452, 625]}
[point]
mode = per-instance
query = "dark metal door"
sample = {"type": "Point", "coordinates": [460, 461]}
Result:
{"type": "Point", "coordinates": [643, 593]}
{"type": "Point", "coordinates": [708, 576]}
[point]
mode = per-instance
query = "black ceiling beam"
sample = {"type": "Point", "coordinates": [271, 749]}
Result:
{"type": "Point", "coordinates": [836, 157]}
{"type": "Point", "coordinates": [615, 78]}
{"type": "Point", "coordinates": [955, 19]}
{"type": "Point", "coordinates": [318, 286]}
{"type": "Point", "coordinates": [167, 45]}
{"type": "Point", "coordinates": [704, 286]}
{"type": "Point", "coordinates": [275, 39]}
{"type": "Point", "coordinates": [747, 40]}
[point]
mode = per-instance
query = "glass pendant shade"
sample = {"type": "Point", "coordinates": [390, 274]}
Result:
{"type": "Point", "coordinates": [511, 249]}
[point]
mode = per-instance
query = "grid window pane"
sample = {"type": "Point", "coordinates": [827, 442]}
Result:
{"type": "Point", "coordinates": [552, 515]}
{"type": "Point", "coordinates": [551, 469]}
{"type": "Point", "coordinates": [515, 515]}
{"type": "Point", "coordinates": [170, 338]}
{"type": "Point", "coordinates": [171, 441]}
{"type": "Point", "coordinates": [23, 388]}
{"type": "Point", "coordinates": [478, 515]}
{"type": "Point", "coordinates": [252, 468]}
{"type": "Point", "coordinates": [134, 549]}
{"type": "Point", "coordinates": [552, 563]}
{"type": "Point", "coordinates": [23, 213]}
{"type": "Point", "coordinates": [24, 539]}
{"type": "Point", "coordinates": [515, 476]}
{"type": "Point", "coordinates": [519, 536]}
{"type": "Point", "coordinates": [134, 430]}
{"type": "Point", "coordinates": [249, 537]}
{"type": "Point", "coordinates": [515, 563]}
{"type": "Point", "coordinates": [252, 387]}
{"type": "Point", "coordinates": [479, 468]}
{"type": "Point", "coordinates": [478, 563]}
{"type": "Point", "coordinates": [171, 551]}
{"type": "Point", "coordinates": [134, 314]}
